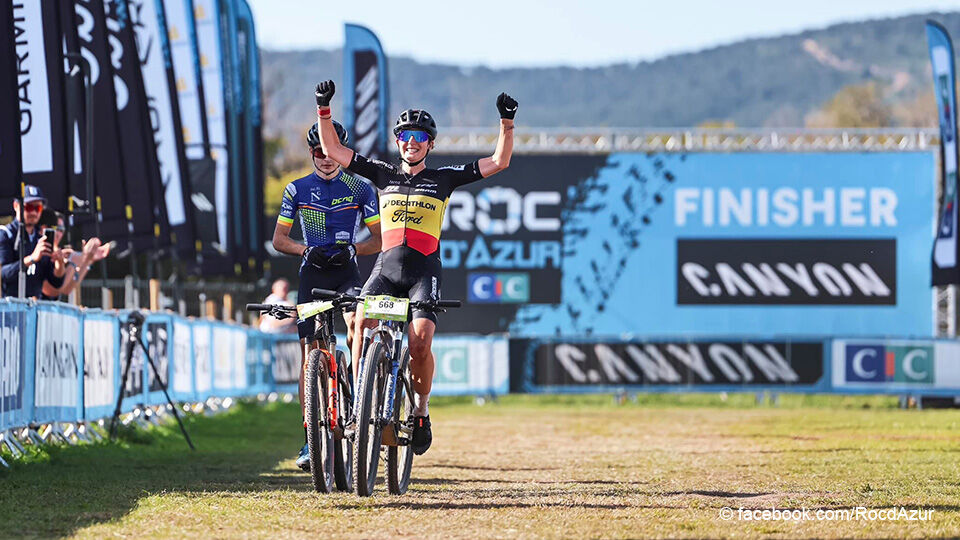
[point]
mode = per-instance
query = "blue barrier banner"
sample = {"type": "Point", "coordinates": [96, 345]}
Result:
{"type": "Point", "coordinates": [744, 244]}
{"type": "Point", "coordinates": [699, 365]}
{"type": "Point", "coordinates": [182, 375]}
{"type": "Point", "coordinates": [101, 363]}
{"type": "Point", "coordinates": [896, 366]}
{"type": "Point", "coordinates": [16, 350]}
{"type": "Point", "coordinates": [58, 388]}
{"type": "Point", "coordinates": [471, 365]}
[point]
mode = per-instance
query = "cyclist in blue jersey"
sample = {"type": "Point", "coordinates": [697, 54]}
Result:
{"type": "Point", "coordinates": [330, 202]}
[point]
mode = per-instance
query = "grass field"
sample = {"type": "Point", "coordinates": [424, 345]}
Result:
{"type": "Point", "coordinates": [525, 466]}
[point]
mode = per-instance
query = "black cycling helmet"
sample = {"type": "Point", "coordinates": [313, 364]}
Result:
{"type": "Point", "coordinates": [313, 135]}
{"type": "Point", "coordinates": [416, 119]}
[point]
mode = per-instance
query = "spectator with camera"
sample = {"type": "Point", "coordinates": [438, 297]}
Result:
{"type": "Point", "coordinates": [78, 262]}
{"type": "Point", "coordinates": [43, 262]}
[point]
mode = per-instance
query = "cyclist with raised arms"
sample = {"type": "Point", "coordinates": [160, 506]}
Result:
{"type": "Point", "coordinates": [413, 199]}
{"type": "Point", "coordinates": [330, 203]}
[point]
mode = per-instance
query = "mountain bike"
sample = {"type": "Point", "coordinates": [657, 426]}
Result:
{"type": "Point", "coordinates": [384, 404]}
{"type": "Point", "coordinates": [328, 390]}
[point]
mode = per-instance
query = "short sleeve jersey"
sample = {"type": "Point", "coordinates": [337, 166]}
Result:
{"type": "Point", "coordinates": [330, 210]}
{"type": "Point", "coordinates": [412, 206]}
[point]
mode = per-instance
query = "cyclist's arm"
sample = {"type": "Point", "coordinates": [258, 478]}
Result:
{"type": "Point", "coordinates": [372, 244]}
{"type": "Point", "coordinates": [281, 234]}
{"type": "Point", "coordinates": [331, 143]}
{"type": "Point", "coordinates": [500, 159]}
{"type": "Point", "coordinates": [283, 243]}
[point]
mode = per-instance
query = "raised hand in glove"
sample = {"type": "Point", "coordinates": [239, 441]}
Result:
{"type": "Point", "coordinates": [506, 105]}
{"type": "Point", "coordinates": [324, 92]}
{"type": "Point", "coordinates": [343, 256]}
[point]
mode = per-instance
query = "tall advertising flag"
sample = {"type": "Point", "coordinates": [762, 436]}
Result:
{"type": "Point", "coordinates": [140, 165]}
{"type": "Point", "coordinates": [253, 140]}
{"type": "Point", "coordinates": [41, 102]}
{"type": "Point", "coordinates": [75, 106]}
{"type": "Point", "coordinates": [367, 100]}
{"type": "Point", "coordinates": [207, 24]}
{"type": "Point", "coordinates": [150, 28]}
{"type": "Point", "coordinates": [10, 160]}
{"type": "Point", "coordinates": [945, 247]}
{"type": "Point", "coordinates": [233, 70]}
{"type": "Point", "coordinates": [190, 95]}
{"type": "Point", "coordinates": [110, 186]}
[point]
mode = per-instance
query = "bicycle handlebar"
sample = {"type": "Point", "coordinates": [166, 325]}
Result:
{"type": "Point", "coordinates": [259, 307]}
{"type": "Point", "coordinates": [324, 294]}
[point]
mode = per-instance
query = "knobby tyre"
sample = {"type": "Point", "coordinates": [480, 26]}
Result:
{"type": "Point", "coordinates": [400, 458]}
{"type": "Point", "coordinates": [343, 448]}
{"type": "Point", "coordinates": [319, 435]}
{"type": "Point", "coordinates": [366, 448]}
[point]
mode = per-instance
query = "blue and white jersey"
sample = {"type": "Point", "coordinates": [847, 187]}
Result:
{"type": "Point", "coordinates": [330, 210]}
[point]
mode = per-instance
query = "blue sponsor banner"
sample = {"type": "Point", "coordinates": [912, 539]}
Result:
{"type": "Point", "coordinates": [762, 244]}
{"type": "Point", "coordinates": [16, 365]}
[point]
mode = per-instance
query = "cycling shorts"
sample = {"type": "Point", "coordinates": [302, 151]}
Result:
{"type": "Point", "coordinates": [344, 279]}
{"type": "Point", "coordinates": [418, 279]}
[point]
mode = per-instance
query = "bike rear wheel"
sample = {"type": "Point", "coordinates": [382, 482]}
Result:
{"type": "Point", "coordinates": [343, 448]}
{"type": "Point", "coordinates": [366, 448]}
{"type": "Point", "coordinates": [400, 458]}
{"type": "Point", "coordinates": [319, 434]}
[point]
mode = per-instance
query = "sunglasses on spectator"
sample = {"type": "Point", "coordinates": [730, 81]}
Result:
{"type": "Point", "coordinates": [33, 207]}
{"type": "Point", "coordinates": [317, 152]}
{"type": "Point", "coordinates": [415, 134]}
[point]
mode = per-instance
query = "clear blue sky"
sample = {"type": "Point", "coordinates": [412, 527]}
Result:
{"type": "Point", "coordinates": [501, 33]}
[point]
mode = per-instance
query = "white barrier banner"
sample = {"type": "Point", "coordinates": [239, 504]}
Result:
{"type": "Point", "coordinates": [222, 358]}
{"type": "Point", "coordinates": [879, 364]}
{"type": "Point", "coordinates": [239, 358]}
{"type": "Point", "coordinates": [158, 345]}
{"type": "Point", "coordinates": [58, 356]}
{"type": "Point", "coordinates": [201, 350]}
{"type": "Point", "coordinates": [99, 352]}
{"type": "Point", "coordinates": [182, 368]}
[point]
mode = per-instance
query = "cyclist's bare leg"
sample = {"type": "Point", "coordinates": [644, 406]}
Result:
{"type": "Point", "coordinates": [348, 318]}
{"type": "Point", "coordinates": [359, 323]}
{"type": "Point", "coordinates": [422, 362]}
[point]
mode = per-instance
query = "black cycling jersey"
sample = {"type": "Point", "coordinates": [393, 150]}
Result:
{"type": "Point", "coordinates": [411, 217]}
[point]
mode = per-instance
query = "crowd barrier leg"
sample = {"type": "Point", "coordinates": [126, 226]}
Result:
{"type": "Point", "coordinates": [11, 442]}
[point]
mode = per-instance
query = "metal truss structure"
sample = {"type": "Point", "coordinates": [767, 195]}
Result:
{"type": "Point", "coordinates": [605, 140]}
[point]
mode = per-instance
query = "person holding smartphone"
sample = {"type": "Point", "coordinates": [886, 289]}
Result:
{"type": "Point", "coordinates": [43, 262]}
{"type": "Point", "coordinates": [78, 262]}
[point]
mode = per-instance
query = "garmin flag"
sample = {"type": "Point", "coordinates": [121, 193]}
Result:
{"type": "Point", "coordinates": [945, 270]}
{"type": "Point", "coordinates": [40, 89]}
{"type": "Point", "coordinates": [10, 160]}
{"type": "Point", "coordinates": [367, 100]}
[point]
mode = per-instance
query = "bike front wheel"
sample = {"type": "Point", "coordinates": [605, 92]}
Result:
{"type": "Point", "coordinates": [319, 434]}
{"type": "Point", "coordinates": [400, 458]}
{"type": "Point", "coordinates": [366, 448]}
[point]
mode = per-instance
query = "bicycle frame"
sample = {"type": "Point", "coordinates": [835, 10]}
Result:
{"type": "Point", "coordinates": [328, 344]}
{"type": "Point", "coordinates": [391, 336]}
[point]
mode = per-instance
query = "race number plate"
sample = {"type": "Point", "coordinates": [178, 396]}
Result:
{"type": "Point", "coordinates": [305, 311]}
{"type": "Point", "coordinates": [386, 308]}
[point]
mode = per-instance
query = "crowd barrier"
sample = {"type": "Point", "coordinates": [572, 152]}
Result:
{"type": "Point", "coordinates": [60, 363]}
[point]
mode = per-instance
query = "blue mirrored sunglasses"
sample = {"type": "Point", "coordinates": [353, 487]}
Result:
{"type": "Point", "coordinates": [416, 134]}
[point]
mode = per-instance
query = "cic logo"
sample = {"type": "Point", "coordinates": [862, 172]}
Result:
{"type": "Point", "coordinates": [501, 287]}
{"type": "Point", "coordinates": [878, 363]}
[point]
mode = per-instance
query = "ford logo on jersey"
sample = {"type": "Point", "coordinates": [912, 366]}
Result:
{"type": "Point", "coordinates": [879, 363]}
{"type": "Point", "coordinates": [501, 287]}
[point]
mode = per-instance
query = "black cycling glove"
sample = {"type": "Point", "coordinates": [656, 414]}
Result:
{"type": "Point", "coordinates": [324, 92]}
{"type": "Point", "coordinates": [343, 256]}
{"type": "Point", "coordinates": [505, 104]}
{"type": "Point", "coordinates": [316, 257]}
